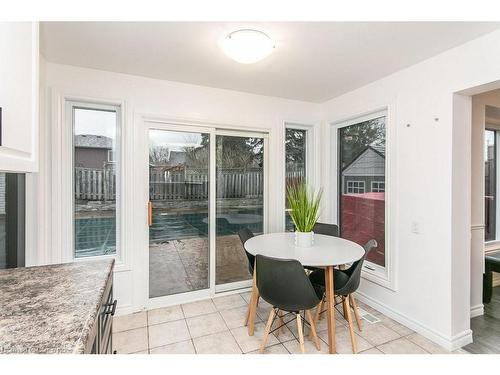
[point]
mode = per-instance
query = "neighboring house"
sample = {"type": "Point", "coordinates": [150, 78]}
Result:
{"type": "Point", "coordinates": [93, 151]}
{"type": "Point", "coordinates": [366, 173]}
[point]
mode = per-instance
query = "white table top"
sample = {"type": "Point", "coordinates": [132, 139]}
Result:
{"type": "Point", "coordinates": [326, 250]}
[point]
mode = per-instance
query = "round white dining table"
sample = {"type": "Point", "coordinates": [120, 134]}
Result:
{"type": "Point", "coordinates": [326, 252]}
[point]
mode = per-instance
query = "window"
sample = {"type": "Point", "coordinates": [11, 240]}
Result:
{"type": "Point", "coordinates": [490, 192]}
{"type": "Point", "coordinates": [96, 178]}
{"type": "Point", "coordinates": [12, 230]}
{"type": "Point", "coordinates": [355, 187]}
{"type": "Point", "coordinates": [361, 150]}
{"type": "Point", "coordinates": [295, 164]}
{"type": "Point", "coordinates": [378, 187]}
{"type": "Point", "coordinates": [111, 156]}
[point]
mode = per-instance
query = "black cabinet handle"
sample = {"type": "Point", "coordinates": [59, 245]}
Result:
{"type": "Point", "coordinates": [113, 308]}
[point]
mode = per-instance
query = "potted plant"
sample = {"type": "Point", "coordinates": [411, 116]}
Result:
{"type": "Point", "coordinates": [304, 212]}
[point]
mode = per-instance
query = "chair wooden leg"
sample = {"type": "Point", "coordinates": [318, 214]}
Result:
{"type": "Point", "coordinates": [253, 304]}
{"type": "Point", "coordinates": [351, 326]}
{"type": "Point", "coordinates": [344, 308]}
{"type": "Point", "coordinates": [313, 329]}
{"type": "Point", "coordinates": [280, 322]}
{"type": "Point", "coordinates": [266, 330]}
{"type": "Point", "coordinates": [320, 307]}
{"type": "Point", "coordinates": [301, 333]}
{"type": "Point", "coordinates": [354, 306]}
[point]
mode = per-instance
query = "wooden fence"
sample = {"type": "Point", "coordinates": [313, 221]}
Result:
{"type": "Point", "coordinates": [100, 185]}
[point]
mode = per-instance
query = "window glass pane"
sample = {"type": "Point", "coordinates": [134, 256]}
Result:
{"type": "Point", "coordinates": [490, 185]}
{"type": "Point", "coordinates": [362, 185]}
{"type": "Point", "coordinates": [95, 181]}
{"type": "Point", "coordinates": [295, 163]}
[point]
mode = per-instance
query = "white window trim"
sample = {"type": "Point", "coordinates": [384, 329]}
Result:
{"type": "Point", "coordinates": [62, 177]}
{"type": "Point", "coordinates": [384, 276]}
{"type": "Point", "coordinates": [310, 159]}
{"type": "Point", "coordinates": [378, 188]}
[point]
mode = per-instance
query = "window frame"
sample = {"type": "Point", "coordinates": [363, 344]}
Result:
{"type": "Point", "coordinates": [383, 276]}
{"type": "Point", "coordinates": [70, 104]}
{"type": "Point", "coordinates": [310, 175]}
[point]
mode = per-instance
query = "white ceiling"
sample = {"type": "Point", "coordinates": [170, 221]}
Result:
{"type": "Point", "coordinates": [312, 61]}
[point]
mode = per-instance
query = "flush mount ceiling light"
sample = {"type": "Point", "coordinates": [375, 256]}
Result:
{"type": "Point", "coordinates": [247, 46]}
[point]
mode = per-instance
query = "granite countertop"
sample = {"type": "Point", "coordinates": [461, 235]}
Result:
{"type": "Point", "coordinates": [51, 309]}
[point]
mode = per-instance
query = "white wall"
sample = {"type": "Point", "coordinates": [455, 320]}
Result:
{"type": "Point", "coordinates": [149, 96]}
{"type": "Point", "coordinates": [431, 150]}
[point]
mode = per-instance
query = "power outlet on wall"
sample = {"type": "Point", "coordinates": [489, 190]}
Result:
{"type": "Point", "coordinates": [415, 227]}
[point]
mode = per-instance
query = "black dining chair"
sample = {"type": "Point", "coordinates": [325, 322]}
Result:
{"type": "Point", "coordinates": [284, 285]}
{"type": "Point", "coordinates": [346, 282]}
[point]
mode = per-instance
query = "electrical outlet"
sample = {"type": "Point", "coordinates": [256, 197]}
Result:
{"type": "Point", "coordinates": [415, 227]}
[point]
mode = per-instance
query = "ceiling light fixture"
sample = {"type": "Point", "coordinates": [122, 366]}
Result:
{"type": "Point", "coordinates": [247, 46]}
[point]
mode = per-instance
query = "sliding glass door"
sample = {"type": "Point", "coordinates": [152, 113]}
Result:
{"type": "Point", "coordinates": [203, 187]}
{"type": "Point", "coordinates": [179, 175]}
{"type": "Point", "coordinates": [240, 202]}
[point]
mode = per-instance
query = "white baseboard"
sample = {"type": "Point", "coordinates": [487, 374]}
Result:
{"type": "Point", "coordinates": [477, 310]}
{"type": "Point", "coordinates": [449, 343]}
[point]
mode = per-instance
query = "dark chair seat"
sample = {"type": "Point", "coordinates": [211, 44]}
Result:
{"type": "Point", "coordinates": [345, 281]}
{"type": "Point", "coordinates": [317, 278]}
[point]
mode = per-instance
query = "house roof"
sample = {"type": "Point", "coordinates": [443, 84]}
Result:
{"type": "Point", "coordinates": [369, 162]}
{"type": "Point", "coordinates": [93, 141]}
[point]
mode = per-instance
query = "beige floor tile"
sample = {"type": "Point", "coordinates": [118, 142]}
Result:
{"type": "Point", "coordinates": [131, 341]}
{"type": "Point", "coordinates": [130, 321]}
{"type": "Point", "coordinates": [371, 351]}
{"type": "Point", "coordinates": [229, 302]}
{"type": "Point", "coordinates": [401, 346]}
{"type": "Point", "coordinates": [378, 334]}
{"type": "Point", "coordinates": [198, 308]}
{"type": "Point", "coordinates": [165, 314]}
{"type": "Point", "coordinates": [246, 296]}
{"type": "Point", "coordinates": [392, 324]}
{"type": "Point", "coordinates": [250, 343]}
{"type": "Point", "coordinates": [294, 348]}
{"type": "Point", "coordinates": [183, 347]}
{"type": "Point", "coordinates": [235, 318]}
{"type": "Point", "coordinates": [427, 344]}
{"type": "Point", "coordinates": [142, 352]}
{"type": "Point", "coordinates": [217, 343]}
{"type": "Point", "coordinates": [343, 341]}
{"type": "Point", "coordinates": [460, 351]}
{"type": "Point", "coordinates": [168, 333]}
{"type": "Point", "coordinates": [275, 349]}
{"type": "Point", "coordinates": [206, 324]}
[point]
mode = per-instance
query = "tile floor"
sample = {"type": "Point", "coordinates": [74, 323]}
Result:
{"type": "Point", "coordinates": [215, 326]}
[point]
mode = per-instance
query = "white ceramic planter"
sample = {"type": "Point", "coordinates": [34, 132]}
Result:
{"type": "Point", "coordinates": [304, 239]}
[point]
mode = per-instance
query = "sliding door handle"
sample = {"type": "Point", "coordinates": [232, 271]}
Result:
{"type": "Point", "coordinates": [150, 213]}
